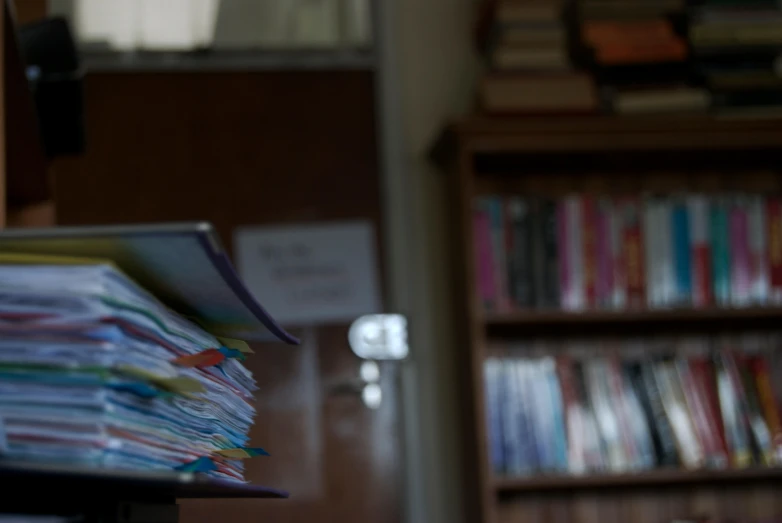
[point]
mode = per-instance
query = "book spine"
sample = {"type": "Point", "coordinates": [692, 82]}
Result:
{"type": "Point", "coordinates": [605, 416]}
{"type": "Point", "coordinates": [493, 375]}
{"type": "Point", "coordinates": [538, 276]}
{"type": "Point", "coordinates": [700, 254]}
{"type": "Point", "coordinates": [774, 246]}
{"type": "Point", "coordinates": [690, 449]}
{"type": "Point", "coordinates": [697, 411]}
{"type": "Point", "coordinates": [576, 250]}
{"type": "Point", "coordinates": [605, 272]}
{"type": "Point", "coordinates": [733, 374]}
{"type": "Point", "coordinates": [512, 213]}
{"type": "Point", "coordinates": [769, 404]}
{"type": "Point", "coordinates": [682, 260]}
{"type": "Point", "coordinates": [484, 255]}
{"type": "Point", "coordinates": [739, 252]}
{"type": "Point", "coordinates": [761, 436]}
{"type": "Point", "coordinates": [703, 373]}
{"type": "Point", "coordinates": [652, 252]}
{"type": "Point", "coordinates": [759, 276]}
{"type": "Point", "coordinates": [514, 420]}
{"type": "Point", "coordinates": [634, 255]}
{"type": "Point", "coordinates": [721, 259]}
{"type": "Point", "coordinates": [617, 264]}
{"type": "Point", "coordinates": [556, 413]}
{"type": "Point", "coordinates": [499, 253]}
{"type": "Point", "coordinates": [551, 254]}
{"type": "Point", "coordinates": [539, 425]}
{"type": "Point", "coordinates": [520, 259]}
{"type": "Point", "coordinates": [667, 453]}
{"type": "Point", "coordinates": [735, 430]}
{"type": "Point", "coordinates": [564, 259]}
{"type": "Point", "coordinates": [590, 238]}
{"type": "Point", "coordinates": [664, 227]}
{"type": "Point", "coordinates": [574, 422]}
{"type": "Point", "coordinates": [594, 449]}
{"type": "Point", "coordinates": [638, 420]}
{"type": "Point", "coordinates": [619, 405]}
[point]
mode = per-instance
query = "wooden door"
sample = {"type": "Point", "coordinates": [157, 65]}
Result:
{"type": "Point", "coordinates": [257, 148]}
{"type": "Point", "coordinates": [26, 191]}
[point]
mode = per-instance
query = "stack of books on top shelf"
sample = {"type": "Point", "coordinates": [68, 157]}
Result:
{"type": "Point", "coordinates": [525, 44]}
{"type": "Point", "coordinates": [638, 53]}
{"type": "Point", "coordinates": [585, 252]}
{"type": "Point", "coordinates": [644, 56]}
{"type": "Point", "coordinates": [617, 407]}
{"type": "Point", "coordinates": [96, 371]}
{"type": "Point", "coordinates": [737, 51]}
{"type": "Point", "coordinates": [710, 519]}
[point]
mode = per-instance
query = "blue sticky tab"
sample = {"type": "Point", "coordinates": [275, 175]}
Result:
{"type": "Point", "coordinates": [110, 333]}
{"type": "Point", "coordinates": [138, 388]}
{"type": "Point", "coordinates": [231, 353]}
{"type": "Point", "coordinates": [202, 464]}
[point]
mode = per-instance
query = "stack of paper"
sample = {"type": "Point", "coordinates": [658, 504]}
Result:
{"type": "Point", "coordinates": [94, 370]}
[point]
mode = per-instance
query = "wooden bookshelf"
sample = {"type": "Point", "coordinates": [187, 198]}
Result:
{"type": "Point", "coordinates": [605, 133]}
{"type": "Point", "coordinates": [525, 323]}
{"type": "Point", "coordinates": [654, 478]}
{"type": "Point", "coordinates": [547, 156]}
{"type": "Point", "coordinates": [609, 318]}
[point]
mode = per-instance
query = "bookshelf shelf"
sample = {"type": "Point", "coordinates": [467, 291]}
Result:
{"type": "Point", "coordinates": [517, 135]}
{"type": "Point", "coordinates": [112, 496]}
{"type": "Point", "coordinates": [128, 486]}
{"type": "Point", "coordinates": [527, 320]}
{"type": "Point", "coordinates": [656, 478]}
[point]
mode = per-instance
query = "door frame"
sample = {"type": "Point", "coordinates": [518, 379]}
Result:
{"type": "Point", "coordinates": [409, 287]}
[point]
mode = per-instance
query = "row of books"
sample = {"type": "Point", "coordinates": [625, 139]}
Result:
{"type": "Point", "coordinates": [635, 405]}
{"type": "Point", "coordinates": [631, 56]}
{"type": "Point", "coordinates": [584, 252]}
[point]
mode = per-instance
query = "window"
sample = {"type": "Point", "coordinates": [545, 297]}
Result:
{"type": "Point", "coordinates": [186, 25]}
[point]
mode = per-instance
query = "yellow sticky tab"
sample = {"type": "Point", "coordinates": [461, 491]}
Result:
{"type": "Point", "coordinates": [176, 384]}
{"type": "Point", "coordinates": [181, 385]}
{"type": "Point", "coordinates": [139, 373]}
{"type": "Point", "coordinates": [239, 345]}
{"type": "Point", "coordinates": [9, 258]}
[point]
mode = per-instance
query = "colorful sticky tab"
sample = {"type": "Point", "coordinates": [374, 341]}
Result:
{"type": "Point", "coordinates": [137, 372]}
{"type": "Point", "coordinates": [205, 358]}
{"type": "Point", "coordinates": [145, 390]}
{"type": "Point", "coordinates": [17, 258]}
{"type": "Point", "coordinates": [175, 384]}
{"type": "Point", "coordinates": [181, 385]}
{"type": "Point", "coordinates": [208, 357]}
{"type": "Point", "coordinates": [239, 345]}
{"type": "Point", "coordinates": [3, 438]}
{"type": "Point", "coordinates": [202, 464]}
{"type": "Point", "coordinates": [241, 453]}
{"type": "Point", "coordinates": [231, 353]}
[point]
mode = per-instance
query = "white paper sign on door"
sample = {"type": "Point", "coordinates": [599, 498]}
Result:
{"type": "Point", "coordinates": [311, 273]}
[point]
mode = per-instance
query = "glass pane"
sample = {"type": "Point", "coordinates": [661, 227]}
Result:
{"type": "Point", "coordinates": [127, 25]}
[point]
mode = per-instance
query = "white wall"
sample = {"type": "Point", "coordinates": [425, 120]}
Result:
{"type": "Point", "coordinates": [435, 70]}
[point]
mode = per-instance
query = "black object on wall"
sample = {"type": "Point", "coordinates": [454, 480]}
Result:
{"type": "Point", "coordinates": [56, 79]}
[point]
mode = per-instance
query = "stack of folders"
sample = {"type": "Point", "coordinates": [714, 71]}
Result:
{"type": "Point", "coordinates": [96, 371]}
